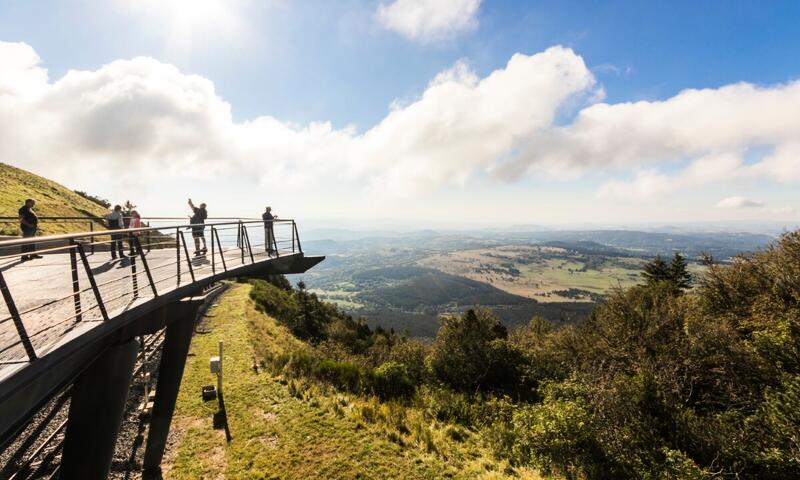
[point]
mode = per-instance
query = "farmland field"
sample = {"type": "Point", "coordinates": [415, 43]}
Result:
{"type": "Point", "coordinates": [546, 274]}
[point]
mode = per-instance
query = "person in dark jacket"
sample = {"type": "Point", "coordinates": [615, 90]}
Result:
{"type": "Point", "coordinates": [197, 220]}
{"type": "Point", "coordinates": [269, 232]}
{"type": "Point", "coordinates": [29, 224]}
{"type": "Point", "coordinates": [115, 221]}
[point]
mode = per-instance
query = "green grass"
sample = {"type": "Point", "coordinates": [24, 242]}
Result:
{"type": "Point", "coordinates": [52, 200]}
{"type": "Point", "coordinates": [561, 274]}
{"type": "Point", "coordinates": [295, 430]}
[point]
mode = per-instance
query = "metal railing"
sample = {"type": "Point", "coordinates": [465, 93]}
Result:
{"type": "Point", "coordinates": [76, 282]}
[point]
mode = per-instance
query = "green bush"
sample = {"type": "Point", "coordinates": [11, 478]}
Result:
{"type": "Point", "coordinates": [391, 380]}
{"type": "Point", "coordinates": [470, 353]}
{"type": "Point", "coordinates": [342, 375]}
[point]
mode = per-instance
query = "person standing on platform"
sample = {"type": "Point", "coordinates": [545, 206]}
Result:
{"type": "Point", "coordinates": [197, 220]}
{"type": "Point", "coordinates": [115, 221]}
{"type": "Point", "coordinates": [135, 222]}
{"type": "Point", "coordinates": [29, 224]}
{"type": "Point", "coordinates": [269, 231]}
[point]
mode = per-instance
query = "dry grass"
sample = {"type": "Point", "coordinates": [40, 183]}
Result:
{"type": "Point", "coordinates": [52, 199]}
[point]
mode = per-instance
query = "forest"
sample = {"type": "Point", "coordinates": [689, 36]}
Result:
{"type": "Point", "coordinates": [680, 376]}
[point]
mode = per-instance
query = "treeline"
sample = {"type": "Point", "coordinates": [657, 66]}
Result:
{"type": "Point", "coordinates": [661, 381]}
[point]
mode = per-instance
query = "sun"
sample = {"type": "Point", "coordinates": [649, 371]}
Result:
{"type": "Point", "coordinates": [185, 23]}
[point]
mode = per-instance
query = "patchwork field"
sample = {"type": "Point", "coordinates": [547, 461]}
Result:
{"type": "Point", "coordinates": [543, 273]}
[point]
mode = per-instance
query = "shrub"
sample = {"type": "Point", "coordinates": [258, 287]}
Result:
{"type": "Point", "coordinates": [391, 380]}
{"type": "Point", "coordinates": [343, 375]}
{"type": "Point", "coordinates": [465, 356]}
{"type": "Point", "coordinates": [412, 354]}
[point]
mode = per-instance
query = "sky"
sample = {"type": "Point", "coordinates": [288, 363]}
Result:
{"type": "Point", "coordinates": [412, 113]}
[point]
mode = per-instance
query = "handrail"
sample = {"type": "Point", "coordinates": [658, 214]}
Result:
{"type": "Point", "coordinates": [91, 285]}
{"type": "Point", "coordinates": [72, 236]}
{"type": "Point", "coordinates": [91, 219]}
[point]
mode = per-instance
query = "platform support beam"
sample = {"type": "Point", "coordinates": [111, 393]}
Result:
{"type": "Point", "coordinates": [95, 413]}
{"type": "Point", "coordinates": [177, 339]}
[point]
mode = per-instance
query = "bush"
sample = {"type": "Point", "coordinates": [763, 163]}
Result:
{"type": "Point", "coordinates": [412, 354]}
{"type": "Point", "coordinates": [391, 380]}
{"type": "Point", "coordinates": [342, 375]}
{"type": "Point", "coordinates": [466, 357]}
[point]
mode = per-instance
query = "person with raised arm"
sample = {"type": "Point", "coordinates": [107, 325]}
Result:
{"type": "Point", "coordinates": [198, 219]}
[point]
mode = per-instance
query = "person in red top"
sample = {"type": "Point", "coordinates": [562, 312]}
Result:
{"type": "Point", "coordinates": [135, 222]}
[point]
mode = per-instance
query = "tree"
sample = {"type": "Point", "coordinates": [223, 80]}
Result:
{"type": "Point", "coordinates": [656, 271]}
{"type": "Point", "coordinates": [127, 208]}
{"type": "Point", "coordinates": [471, 352]}
{"type": "Point", "coordinates": [678, 272]}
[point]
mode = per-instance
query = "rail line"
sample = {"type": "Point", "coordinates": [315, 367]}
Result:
{"type": "Point", "coordinates": [42, 462]}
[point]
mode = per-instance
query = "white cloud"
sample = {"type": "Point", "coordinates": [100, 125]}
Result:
{"type": "Point", "coordinates": [145, 119]}
{"type": "Point", "coordinates": [739, 202]}
{"type": "Point", "coordinates": [429, 20]}
{"type": "Point", "coordinates": [144, 122]}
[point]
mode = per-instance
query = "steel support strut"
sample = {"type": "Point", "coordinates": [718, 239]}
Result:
{"type": "Point", "coordinates": [95, 413]}
{"type": "Point", "coordinates": [12, 310]}
{"type": "Point", "coordinates": [92, 282]}
{"type": "Point", "coordinates": [173, 358]}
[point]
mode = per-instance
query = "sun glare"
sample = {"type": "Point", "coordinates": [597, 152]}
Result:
{"type": "Point", "coordinates": [183, 22]}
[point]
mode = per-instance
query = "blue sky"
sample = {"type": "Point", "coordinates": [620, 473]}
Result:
{"type": "Point", "coordinates": [339, 62]}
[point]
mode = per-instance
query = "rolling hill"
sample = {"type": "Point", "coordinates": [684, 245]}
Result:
{"type": "Point", "coordinates": [52, 199]}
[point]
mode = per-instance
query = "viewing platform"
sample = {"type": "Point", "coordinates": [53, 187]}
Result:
{"type": "Point", "coordinates": [64, 311]}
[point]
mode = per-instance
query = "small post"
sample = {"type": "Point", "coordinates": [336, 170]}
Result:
{"type": "Point", "coordinates": [219, 374]}
{"type": "Point", "coordinates": [91, 239]}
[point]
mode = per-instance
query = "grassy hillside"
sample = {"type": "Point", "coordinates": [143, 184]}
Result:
{"type": "Point", "coordinates": [288, 429]}
{"type": "Point", "coordinates": [52, 199]}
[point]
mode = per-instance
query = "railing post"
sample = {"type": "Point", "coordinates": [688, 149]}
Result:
{"type": "Point", "coordinates": [213, 257]}
{"type": "Point", "coordinates": [188, 258]}
{"type": "Point", "coordinates": [292, 236]}
{"type": "Point", "coordinates": [91, 239]}
{"type": "Point", "coordinates": [146, 267]}
{"type": "Point", "coordinates": [294, 227]}
{"type": "Point", "coordinates": [134, 276]}
{"type": "Point", "coordinates": [76, 289]}
{"type": "Point", "coordinates": [240, 239]}
{"type": "Point", "coordinates": [247, 242]}
{"type": "Point", "coordinates": [221, 251]}
{"type": "Point", "coordinates": [178, 252]}
{"type": "Point", "coordinates": [92, 282]}
{"type": "Point", "coordinates": [12, 309]}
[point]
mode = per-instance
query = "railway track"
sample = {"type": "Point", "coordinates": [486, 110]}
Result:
{"type": "Point", "coordinates": [36, 453]}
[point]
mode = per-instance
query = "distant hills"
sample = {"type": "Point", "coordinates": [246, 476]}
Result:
{"type": "Point", "coordinates": [52, 199]}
